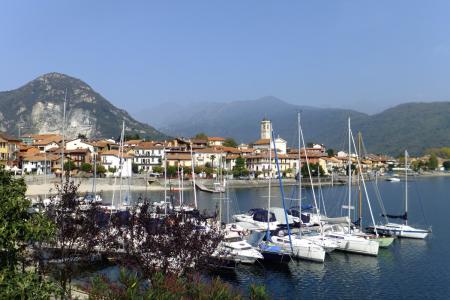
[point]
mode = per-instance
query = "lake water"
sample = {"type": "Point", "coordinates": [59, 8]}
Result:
{"type": "Point", "coordinates": [409, 269]}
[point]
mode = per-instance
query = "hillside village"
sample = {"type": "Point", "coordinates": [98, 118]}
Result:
{"type": "Point", "coordinates": [42, 154]}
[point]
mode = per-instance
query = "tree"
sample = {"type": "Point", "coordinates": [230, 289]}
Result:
{"type": "Point", "coordinates": [112, 169]}
{"type": "Point", "coordinates": [134, 168]}
{"type": "Point", "coordinates": [172, 171]}
{"type": "Point", "coordinates": [313, 168]}
{"type": "Point", "coordinates": [158, 169]}
{"type": "Point", "coordinates": [240, 169]}
{"type": "Point", "coordinates": [433, 162]}
{"type": "Point", "coordinates": [82, 136]}
{"type": "Point", "coordinates": [78, 231]}
{"type": "Point", "coordinates": [201, 136]}
{"type": "Point", "coordinates": [230, 142]}
{"type": "Point", "coordinates": [129, 137]}
{"type": "Point", "coordinates": [330, 152]}
{"type": "Point", "coordinates": [152, 244]}
{"type": "Point", "coordinates": [101, 169]}
{"type": "Point", "coordinates": [20, 229]}
{"type": "Point", "coordinates": [86, 167]}
{"type": "Point", "coordinates": [69, 165]}
{"type": "Point", "coordinates": [446, 165]}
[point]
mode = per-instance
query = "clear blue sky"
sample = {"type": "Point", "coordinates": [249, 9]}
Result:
{"type": "Point", "coordinates": [366, 55]}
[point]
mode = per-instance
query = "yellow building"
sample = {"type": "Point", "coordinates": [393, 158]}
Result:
{"type": "Point", "coordinates": [9, 149]}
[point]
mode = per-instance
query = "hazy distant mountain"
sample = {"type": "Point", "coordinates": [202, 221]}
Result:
{"type": "Point", "coordinates": [37, 107]}
{"type": "Point", "coordinates": [415, 126]}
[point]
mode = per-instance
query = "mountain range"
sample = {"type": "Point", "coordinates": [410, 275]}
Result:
{"type": "Point", "coordinates": [37, 107]}
{"type": "Point", "coordinates": [412, 126]}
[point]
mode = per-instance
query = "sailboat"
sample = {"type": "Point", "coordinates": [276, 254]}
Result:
{"type": "Point", "coordinates": [270, 250]}
{"type": "Point", "coordinates": [299, 247]}
{"type": "Point", "coordinates": [401, 230]}
{"type": "Point", "coordinates": [346, 240]}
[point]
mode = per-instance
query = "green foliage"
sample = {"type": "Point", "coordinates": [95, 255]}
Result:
{"type": "Point", "coordinates": [86, 167]}
{"type": "Point", "coordinates": [446, 165]}
{"type": "Point", "coordinates": [240, 169]}
{"type": "Point", "coordinates": [433, 162]}
{"type": "Point", "coordinates": [82, 136]}
{"type": "Point", "coordinates": [129, 137]}
{"type": "Point", "coordinates": [230, 142]}
{"type": "Point", "coordinates": [69, 166]}
{"type": "Point", "coordinates": [131, 286]}
{"type": "Point", "coordinates": [26, 285]}
{"type": "Point", "coordinates": [100, 169]}
{"type": "Point", "coordinates": [134, 168]}
{"type": "Point", "coordinates": [112, 169]}
{"type": "Point", "coordinates": [201, 136]}
{"type": "Point", "coordinates": [314, 168]}
{"type": "Point", "coordinates": [158, 169]}
{"type": "Point", "coordinates": [172, 171]}
{"type": "Point", "coordinates": [20, 228]}
{"type": "Point", "coordinates": [258, 292]}
{"type": "Point", "coordinates": [330, 152]}
{"type": "Point", "coordinates": [443, 152]}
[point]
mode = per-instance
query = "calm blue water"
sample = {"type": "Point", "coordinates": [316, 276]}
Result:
{"type": "Point", "coordinates": [409, 269]}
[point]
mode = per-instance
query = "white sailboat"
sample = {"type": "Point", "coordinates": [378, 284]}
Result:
{"type": "Point", "coordinates": [344, 238]}
{"type": "Point", "coordinates": [300, 248]}
{"type": "Point", "coordinates": [402, 230]}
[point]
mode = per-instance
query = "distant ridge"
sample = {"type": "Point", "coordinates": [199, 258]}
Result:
{"type": "Point", "coordinates": [37, 107]}
{"type": "Point", "coordinates": [412, 126]}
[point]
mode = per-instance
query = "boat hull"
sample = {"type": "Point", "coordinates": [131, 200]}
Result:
{"type": "Point", "coordinates": [402, 231]}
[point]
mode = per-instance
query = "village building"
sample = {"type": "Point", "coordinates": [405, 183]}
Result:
{"type": "Point", "coordinates": [121, 164]}
{"type": "Point", "coordinates": [79, 144]}
{"type": "Point", "coordinates": [179, 159]}
{"type": "Point", "coordinates": [147, 155]}
{"type": "Point", "coordinates": [9, 150]}
{"type": "Point", "coordinates": [215, 141]}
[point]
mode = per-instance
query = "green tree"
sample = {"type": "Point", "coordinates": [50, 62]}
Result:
{"type": "Point", "coordinates": [87, 167]}
{"type": "Point", "coordinates": [101, 169]}
{"type": "Point", "coordinates": [172, 171]}
{"type": "Point", "coordinates": [446, 165]}
{"type": "Point", "coordinates": [69, 165]}
{"type": "Point", "coordinates": [330, 152]}
{"type": "Point", "coordinates": [240, 169]}
{"type": "Point", "coordinates": [134, 168]}
{"type": "Point", "coordinates": [201, 136]}
{"type": "Point", "coordinates": [129, 137]}
{"type": "Point", "coordinates": [230, 142]}
{"type": "Point", "coordinates": [112, 169]}
{"type": "Point", "coordinates": [158, 169]}
{"type": "Point", "coordinates": [19, 230]}
{"type": "Point", "coordinates": [314, 168]}
{"type": "Point", "coordinates": [433, 162]}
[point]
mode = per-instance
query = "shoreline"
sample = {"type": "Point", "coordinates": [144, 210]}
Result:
{"type": "Point", "coordinates": [38, 187]}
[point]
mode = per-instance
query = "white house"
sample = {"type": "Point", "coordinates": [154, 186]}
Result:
{"type": "Point", "coordinates": [211, 156]}
{"type": "Point", "coordinates": [148, 155]}
{"type": "Point", "coordinates": [111, 160]}
{"type": "Point", "coordinates": [79, 144]}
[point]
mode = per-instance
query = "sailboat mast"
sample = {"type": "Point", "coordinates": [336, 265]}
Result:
{"type": "Point", "coordinates": [270, 178]}
{"type": "Point", "coordinates": [349, 173]}
{"type": "Point", "coordinates": [122, 138]}
{"type": "Point", "coordinates": [193, 178]}
{"type": "Point", "coordinates": [359, 184]}
{"type": "Point", "coordinates": [299, 173]}
{"type": "Point", "coordinates": [406, 187]}
{"type": "Point", "coordinates": [63, 139]}
{"type": "Point", "coordinates": [165, 180]}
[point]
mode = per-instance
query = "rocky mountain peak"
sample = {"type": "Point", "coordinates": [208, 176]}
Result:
{"type": "Point", "coordinates": [37, 107]}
